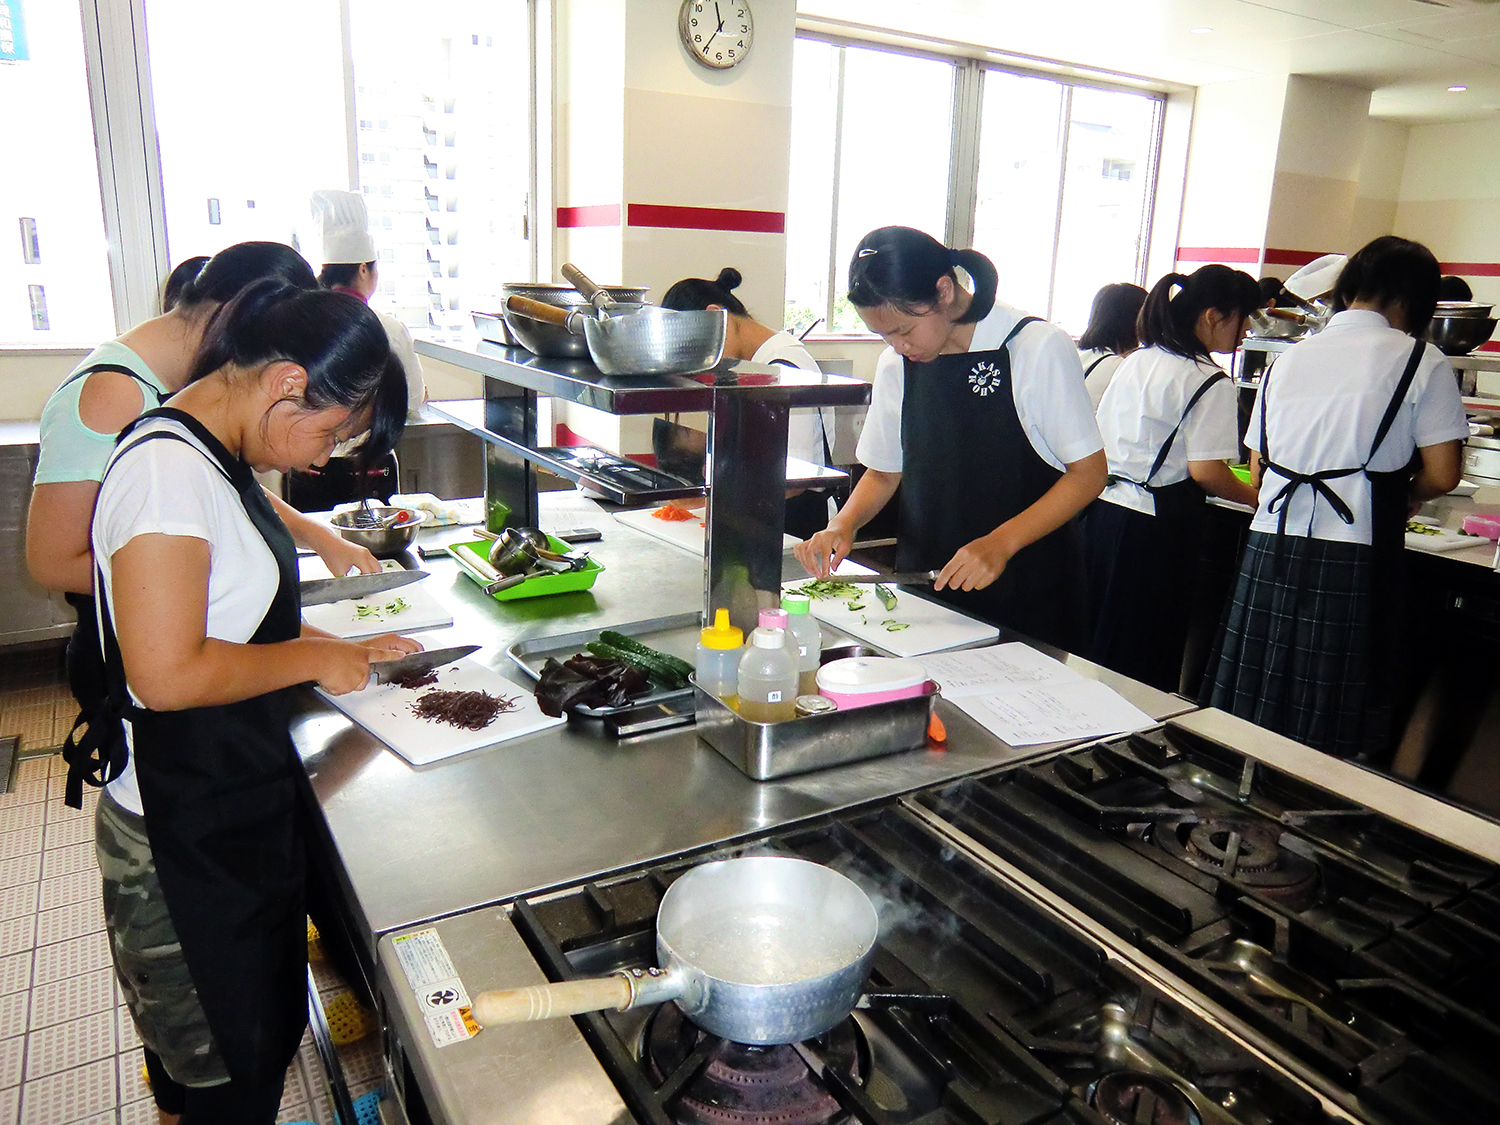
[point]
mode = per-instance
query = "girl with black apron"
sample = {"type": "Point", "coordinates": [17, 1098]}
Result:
{"type": "Point", "coordinates": [204, 888]}
{"type": "Point", "coordinates": [1142, 560]}
{"type": "Point", "coordinates": [979, 501]}
{"type": "Point", "coordinates": [1311, 643]}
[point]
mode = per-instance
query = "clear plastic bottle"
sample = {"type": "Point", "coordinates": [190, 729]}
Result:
{"type": "Point", "coordinates": [717, 665]}
{"type": "Point", "coordinates": [777, 619]}
{"type": "Point", "coordinates": [809, 640]}
{"type": "Point", "coordinates": [767, 678]}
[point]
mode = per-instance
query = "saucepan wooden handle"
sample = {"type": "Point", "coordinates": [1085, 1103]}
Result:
{"type": "Point", "coordinates": [540, 310]}
{"type": "Point", "coordinates": [549, 1001]}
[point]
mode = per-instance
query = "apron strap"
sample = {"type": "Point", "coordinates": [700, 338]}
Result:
{"type": "Point", "coordinates": [1020, 324]}
{"type": "Point", "coordinates": [1166, 446]}
{"type": "Point", "coordinates": [1388, 419]}
{"type": "Point", "coordinates": [145, 383]}
{"type": "Point", "coordinates": [1089, 370]}
{"type": "Point", "coordinates": [822, 427]}
{"type": "Point", "coordinates": [95, 749]}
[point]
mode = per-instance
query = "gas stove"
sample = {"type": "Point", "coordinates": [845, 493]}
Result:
{"type": "Point", "coordinates": [1156, 930]}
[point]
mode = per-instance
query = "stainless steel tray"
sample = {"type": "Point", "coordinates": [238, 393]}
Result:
{"type": "Point", "coordinates": [767, 750]}
{"type": "Point", "coordinates": [677, 635]}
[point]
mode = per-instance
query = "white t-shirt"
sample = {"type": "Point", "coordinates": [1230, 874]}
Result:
{"type": "Point", "coordinates": [1326, 397]}
{"type": "Point", "coordinates": [1145, 400]}
{"type": "Point", "coordinates": [804, 436]}
{"type": "Point", "coordinates": [167, 488]}
{"type": "Point", "coordinates": [1099, 368]}
{"type": "Point", "coordinates": [1046, 383]}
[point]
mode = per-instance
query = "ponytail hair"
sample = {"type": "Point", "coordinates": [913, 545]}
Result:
{"type": "Point", "coordinates": [1393, 270]}
{"type": "Point", "coordinates": [900, 267]}
{"type": "Point", "coordinates": [1170, 321]}
{"type": "Point", "coordinates": [334, 337]}
{"type": "Point", "coordinates": [694, 294]}
{"type": "Point", "coordinates": [181, 276]}
{"type": "Point", "coordinates": [237, 266]}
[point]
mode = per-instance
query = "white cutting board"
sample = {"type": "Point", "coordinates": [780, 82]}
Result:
{"type": "Point", "coordinates": [342, 620]}
{"type": "Point", "coordinates": [385, 711]}
{"type": "Point", "coordinates": [690, 535]}
{"type": "Point", "coordinates": [933, 627]}
{"type": "Point", "coordinates": [1443, 541]}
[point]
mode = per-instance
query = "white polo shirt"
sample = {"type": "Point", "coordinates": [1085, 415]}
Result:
{"type": "Point", "coordinates": [1324, 399]}
{"type": "Point", "coordinates": [1144, 401]}
{"type": "Point", "coordinates": [1046, 383]}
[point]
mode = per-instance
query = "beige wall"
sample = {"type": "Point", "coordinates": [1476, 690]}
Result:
{"type": "Point", "coordinates": [1316, 182]}
{"type": "Point", "coordinates": [29, 377]}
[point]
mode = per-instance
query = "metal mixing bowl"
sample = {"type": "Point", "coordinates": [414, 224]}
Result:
{"type": "Point", "coordinates": [1446, 309]}
{"type": "Point", "coordinates": [1459, 335]}
{"type": "Point", "coordinates": [549, 339]}
{"type": "Point", "coordinates": [382, 542]}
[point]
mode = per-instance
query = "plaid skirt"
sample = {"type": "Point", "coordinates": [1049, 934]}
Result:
{"type": "Point", "coordinates": [1306, 646]}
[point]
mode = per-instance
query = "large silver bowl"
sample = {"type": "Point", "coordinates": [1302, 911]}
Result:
{"type": "Point", "coordinates": [1446, 309]}
{"type": "Point", "coordinates": [548, 339]}
{"type": "Point", "coordinates": [382, 542]}
{"type": "Point", "coordinates": [656, 341]}
{"type": "Point", "coordinates": [1459, 335]}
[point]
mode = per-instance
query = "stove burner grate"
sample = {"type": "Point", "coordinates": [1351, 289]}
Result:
{"type": "Point", "coordinates": [740, 1084]}
{"type": "Point", "coordinates": [1247, 851]}
{"type": "Point", "coordinates": [1130, 1097]}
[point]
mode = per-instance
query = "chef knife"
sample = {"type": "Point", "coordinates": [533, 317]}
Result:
{"type": "Point", "coordinates": [906, 578]}
{"type": "Point", "coordinates": [388, 671]}
{"type": "Point", "coordinates": [319, 591]}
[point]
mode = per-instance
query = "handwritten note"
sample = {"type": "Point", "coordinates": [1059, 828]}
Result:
{"type": "Point", "coordinates": [1063, 711]}
{"type": "Point", "coordinates": [979, 671]}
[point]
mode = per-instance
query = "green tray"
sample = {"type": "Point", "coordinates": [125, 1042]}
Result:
{"type": "Point", "coordinates": [1241, 471]}
{"type": "Point", "coordinates": [468, 554]}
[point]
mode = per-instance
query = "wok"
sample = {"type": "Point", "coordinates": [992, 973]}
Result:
{"type": "Point", "coordinates": [651, 341]}
{"type": "Point", "coordinates": [759, 950]}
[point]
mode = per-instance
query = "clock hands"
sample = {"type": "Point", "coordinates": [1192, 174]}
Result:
{"type": "Point", "coordinates": [720, 19]}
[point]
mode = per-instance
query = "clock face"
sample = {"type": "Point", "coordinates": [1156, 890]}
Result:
{"type": "Point", "coordinates": [718, 33]}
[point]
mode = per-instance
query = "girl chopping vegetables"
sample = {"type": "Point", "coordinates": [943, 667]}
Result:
{"type": "Point", "coordinates": [199, 829]}
{"type": "Point", "coordinates": [979, 413]}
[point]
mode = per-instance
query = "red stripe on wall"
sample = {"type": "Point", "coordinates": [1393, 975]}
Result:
{"type": "Point", "coordinates": [1490, 346]}
{"type": "Point", "coordinates": [705, 218]}
{"type": "Point", "coordinates": [1472, 269]}
{"type": "Point", "coordinates": [600, 215]}
{"type": "Point", "coordinates": [1217, 254]}
{"type": "Point", "coordinates": [1297, 258]}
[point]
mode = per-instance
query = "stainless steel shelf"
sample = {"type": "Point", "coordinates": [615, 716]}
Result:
{"type": "Point", "coordinates": [613, 475]}
{"type": "Point", "coordinates": [581, 382]}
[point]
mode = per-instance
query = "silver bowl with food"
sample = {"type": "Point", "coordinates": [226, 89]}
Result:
{"type": "Point", "coordinates": [1459, 335]}
{"type": "Point", "coordinates": [384, 532]}
{"type": "Point", "coordinates": [547, 339]}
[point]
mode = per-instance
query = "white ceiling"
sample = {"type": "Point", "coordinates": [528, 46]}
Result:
{"type": "Point", "coordinates": [1407, 51]}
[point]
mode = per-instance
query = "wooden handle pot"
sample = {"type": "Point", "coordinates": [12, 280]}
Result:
{"type": "Point", "coordinates": [572, 319]}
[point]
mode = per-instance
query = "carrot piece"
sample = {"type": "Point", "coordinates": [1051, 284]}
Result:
{"type": "Point", "coordinates": [936, 731]}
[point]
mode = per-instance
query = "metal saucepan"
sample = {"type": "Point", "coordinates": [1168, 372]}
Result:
{"type": "Point", "coordinates": [651, 341]}
{"type": "Point", "coordinates": [549, 339]}
{"type": "Point", "coordinates": [759, 950]}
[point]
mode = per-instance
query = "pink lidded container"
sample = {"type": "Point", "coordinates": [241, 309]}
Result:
{"type": "Point", "coordinates": [859, 681]}
{"type": "Point", "coordinates": [1487, 526]}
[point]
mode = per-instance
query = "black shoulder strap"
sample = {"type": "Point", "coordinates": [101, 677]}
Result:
{"type": "Point", "coordinates": [1020, 324]}
{"type": "Point", "coordinates": [1391, 408]}
{"type": "Point", "coordinates": [822, 430]}
{"type": "Point", "coordinates": [214, 453]}
{"type": "Point", "coordinates": [1089, 370]}
{"type": "Point", "coordinates": [146, 384]}
{"type": "Point", "coordinates": [1166, 446]}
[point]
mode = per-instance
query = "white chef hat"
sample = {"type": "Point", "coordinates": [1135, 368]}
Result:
{"type": "Point", "coordinates": [1318, 277]}
{"type": "Point", "coordinates": [343, 222]}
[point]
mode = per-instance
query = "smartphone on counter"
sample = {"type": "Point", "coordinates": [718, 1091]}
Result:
{"type": "Point", "coordinates": [580, 535]}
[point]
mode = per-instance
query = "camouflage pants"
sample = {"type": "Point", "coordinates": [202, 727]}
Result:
{"type": "Point", "coordinates": [148, 957]}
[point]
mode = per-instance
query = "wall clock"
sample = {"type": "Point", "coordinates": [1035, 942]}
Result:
{"type": "Point", "coordinates": [718, 33]}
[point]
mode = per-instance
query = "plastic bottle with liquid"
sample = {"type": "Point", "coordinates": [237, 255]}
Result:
{"type": "Point", "coordinates": [767, 678]}
{"type": "Point", "coordinates": [717, 666]}
{"type": "Point", "coordinates": [804, 629]}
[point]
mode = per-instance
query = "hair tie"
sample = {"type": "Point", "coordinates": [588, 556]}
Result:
{"type": "Point", "coordinates": [954, 257]}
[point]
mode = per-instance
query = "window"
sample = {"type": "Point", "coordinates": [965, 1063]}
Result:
{"type": "Point", "coordinates": [843, 122]}
{"type": "Point", "coordinates": [260, 147]}
{"type": "Point", "coordinates": [54, 266]}
{"type": "Point", "coordinates": [1060, 198]}
{"type": "Point", "coordinates": [443, 92]}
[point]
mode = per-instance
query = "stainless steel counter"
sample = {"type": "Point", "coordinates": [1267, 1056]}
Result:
{"type": "Point", "coordinates": [482, 828]}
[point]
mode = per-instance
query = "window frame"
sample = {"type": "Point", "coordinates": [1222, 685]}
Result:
{"type": "Point", "coordinates": [966, 129]}
{"type": "Point", "coordinates": [118, 66]}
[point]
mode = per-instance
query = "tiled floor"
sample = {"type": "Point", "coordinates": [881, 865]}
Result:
{"type": "Point", "coordinates": [68, 1051]}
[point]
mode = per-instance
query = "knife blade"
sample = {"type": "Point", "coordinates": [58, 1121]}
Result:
{"type": "Point", "coordinates": [388, 671]}
{"type": "Point", "coordinates": [905, 578]}
{"type": "Point", "coordinates": [320, 591]}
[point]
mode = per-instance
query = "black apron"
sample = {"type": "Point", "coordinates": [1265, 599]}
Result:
{"type": "Point", "coordinates": [967, 467]}
{"type": "Point", "coordinates": [1388, 490]}
{"type": "Point", "coordinates": [85, 661]}
{"type": "Point", "coordinates": [218, 786]}
{"type": "Point", "coordinates": [1142, 568]}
